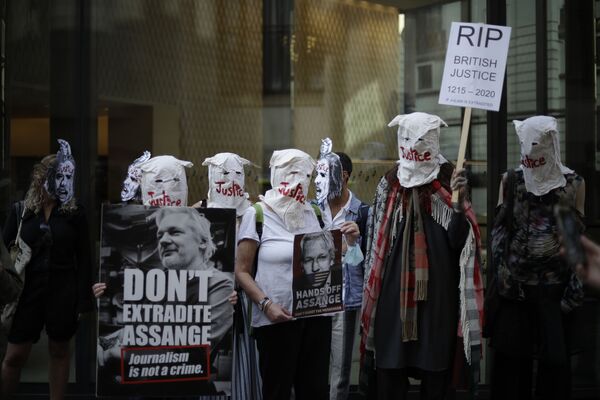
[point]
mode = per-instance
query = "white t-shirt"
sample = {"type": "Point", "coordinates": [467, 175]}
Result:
{"type": "Point", "coordinates": [275, 254]}
{"type": "Point", "coordinates": [337, 221]}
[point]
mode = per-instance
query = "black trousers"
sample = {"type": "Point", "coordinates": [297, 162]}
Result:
{"type": "Point", "coordinates": [295, 354]}
{"type": "Point", "coordinates": [524, 331]}
{"type": "Point", "coordinates": [512, 378]}
{"type": "Point", "coordinates": [392, 384]}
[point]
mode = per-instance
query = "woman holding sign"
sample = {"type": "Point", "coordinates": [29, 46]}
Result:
{"type": "Point", "coordinates": [58, 275]}
{"type": "Point", "coordinates": [293, 353]}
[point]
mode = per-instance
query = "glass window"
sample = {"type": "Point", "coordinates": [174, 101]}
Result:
{"type": "Point", "coordinates": [193, 78]}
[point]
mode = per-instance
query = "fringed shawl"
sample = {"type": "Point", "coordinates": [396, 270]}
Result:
{"type": "Point", "coordinates": [387, 213]}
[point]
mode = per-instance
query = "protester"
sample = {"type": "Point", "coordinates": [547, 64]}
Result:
{"type": "Point", "coordinates": [226, 189]}
{"type": "Point", "coordinates": [293, 353]}
{"type": "Point", "coordinates": [343, 210]}
{"type": "Point", "coordinates": [537, 290]}
{"type": "Point", "coordinates": [58, 275]}
{"type": "Point", "coordinates": [156, 181]}
{"type": "Point", "coordinates": [183, 241]}
{"type": "Point", "coordinates": [424, 281]}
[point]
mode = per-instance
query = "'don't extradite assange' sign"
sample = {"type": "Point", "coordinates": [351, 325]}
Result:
{"type": "Point", "coordinates": [475, 65]}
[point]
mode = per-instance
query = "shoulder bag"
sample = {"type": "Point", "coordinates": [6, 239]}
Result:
{"type": "Point", "coordinates": [20, 255]}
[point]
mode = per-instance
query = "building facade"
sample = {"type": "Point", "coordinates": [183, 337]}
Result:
{"type": "Point", "coordinates": [191, 78]}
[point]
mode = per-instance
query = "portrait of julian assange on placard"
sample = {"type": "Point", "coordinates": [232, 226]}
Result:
{"type": "Point", "coordinates": [317, 283]}
{"type": "Point", "coordinates": [164, 323]}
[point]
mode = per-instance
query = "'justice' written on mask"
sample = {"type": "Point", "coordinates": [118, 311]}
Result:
{"type": "Point", "coordinates": [533, 162]}
{"type": "Point", "coordinates": [414, 155]}
{"type": "Point", "coordinates": [296, 193]}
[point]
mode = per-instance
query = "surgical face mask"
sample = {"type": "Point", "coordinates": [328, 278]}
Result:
{"type": "Point", "coordinates": [540, 155]}
{"type": "Point", "coordinates": [164, 182]}
{"type": "Point", "coordinates": [226, 182]}
{"type": "Point", "coordinates": [131, 184]}
{"type": "Point", "coordinates": [418, 148]}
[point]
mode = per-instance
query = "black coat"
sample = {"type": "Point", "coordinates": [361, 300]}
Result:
{"type": "Point", "coordinates": [63, 243]}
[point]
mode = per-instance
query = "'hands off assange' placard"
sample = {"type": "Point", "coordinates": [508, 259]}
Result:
{"type": "Point", "coordinates": [475, 65]}
{"type": "Point", "coordinates": [317, 283]}
{"type": "Point", "coordinates": [164, 322]}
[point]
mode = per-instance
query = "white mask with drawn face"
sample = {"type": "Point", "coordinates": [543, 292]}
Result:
{"type": "Point", "coordinates": [60, 179]}
{"type": "Point", "coordinates": [418, 148]}
{"type": "Point", "coordinates": [65, 175]}
{"type": "Point", "coordinates": [329, 178]}
{"type": "Point", "coordinates": [540, 155]}
{"type": "Point", "coordinates": [291, 171]}
{"type": "Point", "coordinates": [164, 182]}
{"type": "Point", "coordinates": [322, 180]}
{"type": "Point", "coordinates": [226, 182]}
{"type": "Point", "coordinates": [131, 184]}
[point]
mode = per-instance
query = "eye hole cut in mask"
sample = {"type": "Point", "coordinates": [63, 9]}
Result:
{"type": "Point", "coordinates": [164, 182]}
{"type": "Point", "coordinates": [418, 148]}
{"type": "Point", "coordinates": [540, 154]}
{"type": "Point", "coordinates": [226, 182]}
{"type": "Point", "coordinates": [534, 154]}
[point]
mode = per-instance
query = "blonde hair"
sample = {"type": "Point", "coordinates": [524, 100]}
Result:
{"type": "Point", "coordinates": [36, 194]}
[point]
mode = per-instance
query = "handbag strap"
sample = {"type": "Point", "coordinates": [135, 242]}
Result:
{"type": "Point", "coordinates": [20, 208]}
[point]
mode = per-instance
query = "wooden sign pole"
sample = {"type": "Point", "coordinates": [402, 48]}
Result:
{"type": "Point", "coordinates": [462, 149]}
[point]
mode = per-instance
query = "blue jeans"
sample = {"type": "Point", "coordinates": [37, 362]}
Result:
{"type": "Point", "coordinates": [343, 334]}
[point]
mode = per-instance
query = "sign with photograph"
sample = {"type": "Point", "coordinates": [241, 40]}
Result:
{"type": "Point", "coordinates": [164, 322]}
{"type": "Point", "coordinates": [475, 65]}
{"type": "Point", "coordinates": [317, 266]}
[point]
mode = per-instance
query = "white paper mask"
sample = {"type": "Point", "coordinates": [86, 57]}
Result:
{"type": "Point", "coordinates": [164, 182]}
{"type": "Point", "coordinates": [540, 154]}
{"type": "Point", "coordinates": [226, 182]}
{"type": "Point", "coordinates": [291, 171]}
{"type": "Point", "coordinates": [60, 179]}
{"type": "Point", "coordinates": [131, 184]}
{"type": "Point", "coordinates": [328, 181]}
{"type": "Point", "coordinates": [418, 148]}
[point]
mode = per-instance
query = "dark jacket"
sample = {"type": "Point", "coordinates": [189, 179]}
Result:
{"type": "Point", "coordinates": [62, 244]}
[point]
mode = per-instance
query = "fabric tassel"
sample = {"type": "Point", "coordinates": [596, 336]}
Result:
{"type": "Point", "coordinates": [421, 289]}
{"type": "Point", "coordinates": [468, 325]}
{"type": "Point", "coordinates": [421, 266]}
{"type": "Point", "coordinates": [440, 212]}
{"type": "Point", "coordinates": [409, 331]}
{"type": "Point", "coordinates": [420, 252]}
